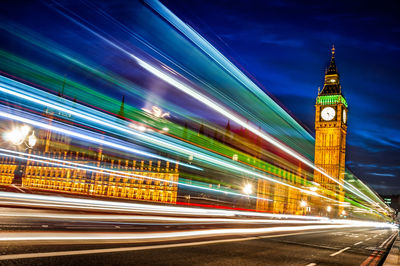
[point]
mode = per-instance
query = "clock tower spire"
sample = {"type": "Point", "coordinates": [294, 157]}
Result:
{"type": "Point", "coordinates": [330, 138]}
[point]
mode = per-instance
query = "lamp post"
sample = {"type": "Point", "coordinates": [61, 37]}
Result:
{"type": "Point", "coordinates": [328, 211]}
{"type": "Point", "coordinates": [303, 205]}
{"type": "Point", "coordinates": [248, 189]}
{"type": "Point", "coordinates": [21, 136]}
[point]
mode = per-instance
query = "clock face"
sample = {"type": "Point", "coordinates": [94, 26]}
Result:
{"type": "Point", "coordinates": [328, 113]}
{"type": "Point", "coordinates": [344, 116]}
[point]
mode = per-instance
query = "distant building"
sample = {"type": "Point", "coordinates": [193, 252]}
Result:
{"type": "Point", "coordinates": [388, 201]}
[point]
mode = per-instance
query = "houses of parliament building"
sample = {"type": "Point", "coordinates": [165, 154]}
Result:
{"type": "Point", "coordinates": [56, 164]}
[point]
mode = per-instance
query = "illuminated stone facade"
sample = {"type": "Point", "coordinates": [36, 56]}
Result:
{"type": "Point", "coordinates": [330, 137]}
{"type": "Point", "coordinates": [139, 180]}
{"type": "Point", "coordinates": [279, 198]}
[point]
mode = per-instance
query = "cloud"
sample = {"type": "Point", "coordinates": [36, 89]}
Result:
{"type": "Point", "coordinates": [281, 40]}
{"type": "Point", "coordinates": [382, 174]}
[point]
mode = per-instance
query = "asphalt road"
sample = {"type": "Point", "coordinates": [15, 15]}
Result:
{"type": "Point", "coordinates": [67, 234]}
{"type": "Point", "coordinates": [352, 246]}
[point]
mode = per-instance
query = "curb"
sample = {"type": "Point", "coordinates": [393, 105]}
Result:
{"type": "Point", "coordinates": [393, 258]}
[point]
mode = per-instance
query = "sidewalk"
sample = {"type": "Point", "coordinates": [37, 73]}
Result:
{"type": "Point", "coordinates": [393, 257]}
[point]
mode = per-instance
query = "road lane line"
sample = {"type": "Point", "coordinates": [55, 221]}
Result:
{"type": "Point", "coordinates": [114, 250]}
{"type": "Point", "coordinates": [375, 256]}
{"type": "Point", "coordinates": [311, 264]}
{"type": "Point", "coordinates": [340, 251]}
{"type": "Point", "coordinates": [388, 239]}
{"type": "Point", "coordinates": [358, 243]}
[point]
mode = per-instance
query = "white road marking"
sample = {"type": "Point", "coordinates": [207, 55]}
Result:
{"type": "Point", "coordinates": [358, 243]}
{"type": "Point", "coordinates": [311, 264]}
{"type": "Point", "coordinates": [388, 239]}
{"type": "Point", "coordinates": [110, 250]}
{"type": "Point", "coordinates": [340, 251]}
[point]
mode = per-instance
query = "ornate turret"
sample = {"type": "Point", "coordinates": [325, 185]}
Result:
{"type": "Point", "coordinates": [332, 66]}
{"type": "Point", "coordinates": [332, 82]}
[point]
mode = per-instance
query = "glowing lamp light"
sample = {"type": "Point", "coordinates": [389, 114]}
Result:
{"type": "Point", "coordinates": [165, 129]}
{"type": "Point", "coordinates": [329, 208]}
{"type": "Point", "coordinates": [343, 212]}
{"type": "Point", "coordinates": [235, 157]}
{"type": "Point", "coordinates": [32, 140]}
{"type": "Point", "coordinates": [17, 135]}
{"type": "Point", "coordinates": [248, 189]}
{"type": "Point", "coordinates": [313, 189]}
{"type": "Point", "coordinates": [25, 130]}
{"type": "Point", "coordinates": [303, 203]}
{"type": "Point", "coordinates": [156, 111]}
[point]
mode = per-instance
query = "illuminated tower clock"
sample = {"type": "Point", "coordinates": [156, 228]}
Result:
{"type": "Point", "coordinates": [330, 136]}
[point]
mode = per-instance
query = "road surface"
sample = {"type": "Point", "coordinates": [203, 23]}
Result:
{"type": "Point", "coordinates": [24, 240]}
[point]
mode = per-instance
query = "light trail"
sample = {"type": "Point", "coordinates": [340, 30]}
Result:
{"type": "Point", "coordinates": [118, 146]}
{"type": "Point", "coordinates": [88, 138]}
{"type": "Point", "coordinates": [43, 200]}
{"type": "Point", "coordinates": [81, 136]}
{"type": "Point", "coordinates": [45, 102]}
{"type": "Point", "coordinates": [230, 115]}
{"type": "Point", "coordinates": [169, 219]}
{"type": "Point", "coordinates": [161, 219]}
{"type": "Point", "coordinates": [173, 146]}
{"type": "Point", "coordinates": [106, 171]}
{"type": "Point", "coordinates": [112, 206]}
{"type": "Point", "coordinates": [81, 236]}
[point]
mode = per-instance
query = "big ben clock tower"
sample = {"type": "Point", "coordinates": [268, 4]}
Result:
{"type": "Point", "coordinates": [330, 137]}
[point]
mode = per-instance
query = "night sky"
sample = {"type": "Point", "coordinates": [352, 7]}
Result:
{"type": "Point", "coordinates": [286, 46]}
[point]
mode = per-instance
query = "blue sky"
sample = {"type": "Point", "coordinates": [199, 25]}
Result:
{"type": "Point", "coordinates": [285, 46]}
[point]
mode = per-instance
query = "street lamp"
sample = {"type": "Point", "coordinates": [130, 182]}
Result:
{"type": "Point", "coordinates": [19, 136]}
{"type": "Point", "coordinates": [303, 205]}
{"type": "Point", "coordinates": [248, 189]}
